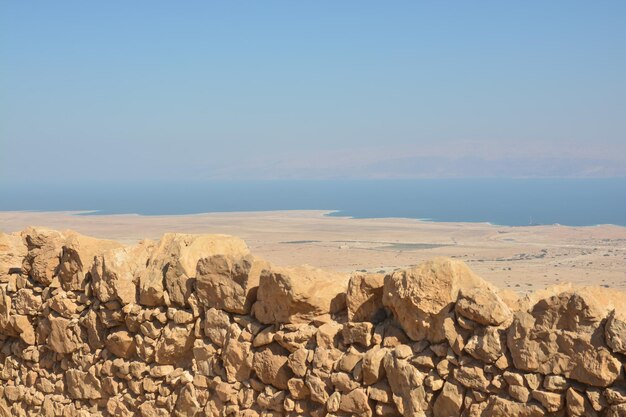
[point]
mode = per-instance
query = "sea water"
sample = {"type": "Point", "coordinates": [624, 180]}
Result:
{"type": "Point", "coordinates": [514, 202]}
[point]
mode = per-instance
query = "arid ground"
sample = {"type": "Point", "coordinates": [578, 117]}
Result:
{"type": "Point", "coordinates": [519, 258]}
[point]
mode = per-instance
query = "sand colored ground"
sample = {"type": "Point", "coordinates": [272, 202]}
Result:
{"type": "Point", "coordinates": [520, 258]}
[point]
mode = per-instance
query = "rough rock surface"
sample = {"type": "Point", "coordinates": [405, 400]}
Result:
{"type": "Point", "coordinates": [194, 326]}
{"type": "Point", "coordinates": [421, 297]}
{"type": "Point", "coordinates": [297, 295]}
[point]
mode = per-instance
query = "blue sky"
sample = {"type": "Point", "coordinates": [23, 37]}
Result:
{"type": "Point", "coordinates": [303, 89]}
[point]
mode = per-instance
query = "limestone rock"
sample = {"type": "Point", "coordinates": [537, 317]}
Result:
{"type": "Point", "coordinates": [44, 251]}
{"type": "Point", "coordinates": [12, 252]}
{"type": "Point", "coordinates": [421, 297]}
{"type": "Point", "coordinates": [270, 365]}
{"type": "Point", "coordinates": [63, 336]}
{"type": "Point", "coordinates": [175, 344]}
{"type": "Point", "coordinates": [121, 343]}
{"type": "Point", "coordinates": [172, 265]}
{"type": "Point", "coordinates": [355, 403]}
{"type": "Point", "coordinates": [373, 366]}
{"type": "Point", "coordinates": [406, 383]}
{"type": "Point", "coordinates": [615, 331]}
{"type": "Point", "coordinates": [482, 306]}
{"type": "Point", "coordinates": [563, 335]}
{"type": "Point", "coordinates": [297, 295]}
{"type": "Point", "coordinates": [364, 297]}
{"type": "Point", "coordinates": [450, 401]}
{"type": "Point", "coordinates": [115, 272]}
{"type": "Point", "coordinates": [77, 257]}
{"type": "Point", "coordinates": [501, 407]}
{"type": "Point", "coordinates": [229, 283]}
{"type": "Point", "coordinates": [83, 385]}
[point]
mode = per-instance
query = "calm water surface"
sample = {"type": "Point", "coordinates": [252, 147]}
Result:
{"type": "Point", "coordinates": [506, 202]}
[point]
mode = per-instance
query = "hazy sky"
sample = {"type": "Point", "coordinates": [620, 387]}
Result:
{"type": "Point", "coordinates": [311, 89]}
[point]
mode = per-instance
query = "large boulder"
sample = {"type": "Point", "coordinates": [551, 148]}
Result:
{"type": "Point", "coordinates": [229, 283]}
{"type": "Point", "coordinates": [483, 307]}
{"type": "Point", "coordinates": [115, 272]}
{"type": "Point", "coordinates": [420, 298]}
{"type": "Point", "coordinates": [364, 298]}
{"type": "Point", "coordinates": [44, 251]}
{"type": "Point", "coordinates": [172, 265]}
{"type": "Point", "coordinates": [77, 257]}
{"type": "Point", "coordinates": [564, 335]}
{"type": "Point", "coordinates": [12, 252]}
{"type": "Point", "coordinates": [299, 294]}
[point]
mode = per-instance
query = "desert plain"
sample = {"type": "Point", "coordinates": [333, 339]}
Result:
{"type": "Point", "coordinates": [522, 259]}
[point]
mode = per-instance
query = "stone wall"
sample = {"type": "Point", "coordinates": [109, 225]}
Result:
{"type": "Point", "coordinates": [197, 326]}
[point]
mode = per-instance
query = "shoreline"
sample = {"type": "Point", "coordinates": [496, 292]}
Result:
{"type": "Point", "coordinates": [522, 258]}
{"type": "Point", "coordinates": [324, 213]}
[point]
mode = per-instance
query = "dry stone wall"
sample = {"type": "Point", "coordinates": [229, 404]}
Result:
{"type": "Point", "coordinates": [197, 326]}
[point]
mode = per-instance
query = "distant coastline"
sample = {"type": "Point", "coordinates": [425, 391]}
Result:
{"type": "Point", "coordinates": [507, 202]}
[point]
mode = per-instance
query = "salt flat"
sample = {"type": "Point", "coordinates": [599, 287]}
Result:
{"type": "Point", "coordinates": [519, 258]}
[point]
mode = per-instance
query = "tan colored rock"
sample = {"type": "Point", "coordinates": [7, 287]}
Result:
{"type": "Point", "coordinates": [237, 357]}
{"type": "Point", "coordinates": [24, 327]}
{"type": "Point", "coordinates": [115, 272]}
{"type": "Point", "coordinates": [450, 401]}
{"type": "Point", "coordinates": [77, 257]}
{"type": "Point", "coordinates": [318, 390]}
{"type": "Point", "coordinates": [83, 385]}
{"type": "Point", "coordinates": [270, 365]}
{"type": "Point", "coordinates": [482, 306]}
{"type": "Point", "coordinates": [615, 331]}
{"type": "Point", "coordinates": [172, 265]}
{"type": "Point", "coordinates": [563, 335]}
{"type": "Point", "coordinates": [501, 407]}
{"type": "Point", "coordinates": [44, 251]}
{"type": "Point", "coordinates": [27, 302]}
{"type": "Point", "coordinates": [174, 347]}
{"type": "Point", "coordinates": [364, 298]}
{"type": "Point", "coordinates": [577, 405]}
{"type": "Point", "coordinates": [551, 401]}
{"type": "Point", "coordinates": [298, 361]}
{"type": "Point", "coordinates": [63, 336]}
{"type": "Point", "coordinates": [472, 376]}
{"type": "Point", "coordinates": [297, 295]}
{"type": "Point", "coordinates": [229, 283]}
{"type": "Point", "coordinates": [121, 343]}
{"type": "Point", "coordinates": [12, 252]}
{"type": "Point", "coordinates": [355, 403]}
{"type": "Point", "coordinates": [358, 333]}
{"type": "Point", "coordinates": [187, 404]}
{"type": "Point", "coordinates": [373, 365]}
{"type": "Point", "coordinates": [406, 383]}
{"type": "Point", "coordinates": [5, 314]}
{"type": "Point", "coordinates": [421, 297]}
{"type": "Point", "coordinates": [216, 326]}
{"type": "Point", "coordinates": [486, 345]}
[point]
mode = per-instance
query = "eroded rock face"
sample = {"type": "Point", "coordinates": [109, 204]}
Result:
{"type": "Point", "coordinates": [172, 265]}
{"type": "Point", "coordinates": [194, 326]}
{"type": "Point", "coordinates": [564, 335]}
{"type": "Point", "coordinates": [44, 250]}
{"type": "Point", "coordinates": [364, 297]}
{"type": "Point", "coordinates": [297, 295]}
{"type": "Point", "coordinates": [115, 272]}
{"type": "Point", "coordinates": [421, 298]}
{"type": "Point", "coordinates": [229, 283]}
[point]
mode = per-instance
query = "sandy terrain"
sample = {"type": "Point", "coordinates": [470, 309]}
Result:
{"type": "Point", "coordinates": [519, 258]}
